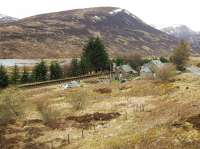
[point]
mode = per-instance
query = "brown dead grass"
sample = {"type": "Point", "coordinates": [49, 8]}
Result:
{"type": "Point", "coordinates": [142, 88]}
{"type": "Point", "coordinates": [103, 90]}
{"type": "Point", "coordinates": [165, 104]}
{"type": "Point", "coordinates": [194, 61]}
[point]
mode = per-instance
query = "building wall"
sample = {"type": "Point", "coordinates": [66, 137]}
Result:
{"type": "Point", "coordinates": [147, 75]}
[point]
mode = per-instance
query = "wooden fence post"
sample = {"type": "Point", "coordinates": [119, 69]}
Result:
{"type": "Point", "coordinates": [52, 145]}
{"type": "Point", "coordinates": [82, 133]}
{"type": "Point", "coordinates": [126, 115]}
{"type": "Point", "coordinates": [68, 139]}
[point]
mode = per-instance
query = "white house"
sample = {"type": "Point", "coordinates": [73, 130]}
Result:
{"type": "Point", "coordinates": [148, 70]}
{"type": "Point", "coordinates": [125, 71]}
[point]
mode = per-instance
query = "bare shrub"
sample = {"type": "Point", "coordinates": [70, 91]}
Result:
{"type": "Point", "coordinates": [181, 55]}
{"type": "Point", "coordinates": [198, 65]}
{"type": "Point", "coordinates": [5, 114]}
{"type": "Point", "coordinates": [49, 114]}
{"type": "Point", "coordinates": [135, 60]}
{"type": "Point", "coordinates": [66, 70]}
{"type": "Point", "coordinates": [103, 90]}
{"type": "Point", "coordinates": [11, 105]}
{"type": "Point", "coordinates": [11, 108]}
{"type": "Point", "coordinates": [166, 72]}
{"type": "Point", "coordinates": [78, 100]}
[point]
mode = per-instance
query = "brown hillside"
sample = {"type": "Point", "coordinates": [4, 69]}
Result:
{"type": "Point", "coordinates": [63, 34]}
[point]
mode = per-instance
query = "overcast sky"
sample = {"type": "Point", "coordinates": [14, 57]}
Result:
{"type": "Point", "coordinates": [154, 12]}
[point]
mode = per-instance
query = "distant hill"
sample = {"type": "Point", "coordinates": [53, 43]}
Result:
{"type": "Point", "coordinates": [185, 33]}
{"type": "Point", "coordinates": [63, 34]}
{"type": "Point", "coordinates": [6, 19]}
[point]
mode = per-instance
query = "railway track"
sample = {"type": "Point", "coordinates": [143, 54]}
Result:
{"type": "Point", "coordinates": [51, 82]}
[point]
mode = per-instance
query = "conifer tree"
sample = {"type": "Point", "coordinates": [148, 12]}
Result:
{"type": "Point", "coordinates": [119, 61]}
{"type": "Point", "coordinates": [3, 77]}
{"type": "Point", "coordinates": [100, 57]}
{"type": "Point", "coordinates": [75, 67]}
{"type": "Point", "coordinates": [25, 76]}
{"type": "Point", "coordinates": [40, 72]}
{"type": "Point", "coordinates": [15, 75]}
{"type": "Point", "coordinates": [55, 71]}
{"type": "Point", "coordinates": [85, 65]}
{"type": "Point", "coordinates": [96, 55]}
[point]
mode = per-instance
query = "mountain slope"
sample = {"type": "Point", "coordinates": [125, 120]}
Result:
{"type": "Point", "coordinates": [6, 19]}
{"type": "Point", "coordinates": [185, 33]}
{"type": "Point", "coordinates": [63, 34]}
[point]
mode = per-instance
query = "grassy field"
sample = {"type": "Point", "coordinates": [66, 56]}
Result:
{"type": "Point", "coordinates": [140, 114]}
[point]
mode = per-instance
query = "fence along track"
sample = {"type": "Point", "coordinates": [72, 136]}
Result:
{"type": "Point", "coordinates": [37, 84]}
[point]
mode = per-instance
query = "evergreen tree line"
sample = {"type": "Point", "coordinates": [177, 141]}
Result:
{"type": "Point", "coordinates": [94, 58]}
{"type": "Point", "coordinates": [41, 72]}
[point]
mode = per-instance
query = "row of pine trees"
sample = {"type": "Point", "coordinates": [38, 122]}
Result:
{"type": "Point", "coordinates": [39, 73]}
{"type": "Point", "coordinates": [93, 58]}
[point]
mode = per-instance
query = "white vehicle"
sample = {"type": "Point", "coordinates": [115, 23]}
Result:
{"type": "Point", "coordinates": [71, 84]}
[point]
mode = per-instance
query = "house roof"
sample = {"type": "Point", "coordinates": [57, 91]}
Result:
{"type": "Point", "coordinates": [154, 64]}
{"type": "Point", "coordinates": [158, 63]}
{"type": "Point", "coordinates": [127, 68]}
{"type": "Point", "coordinates": [145, 69]}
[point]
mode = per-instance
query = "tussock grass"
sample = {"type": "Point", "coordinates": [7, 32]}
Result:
{"type": "Point", "coordinates": [142, 88]}
{"type": "Point", "coordinates": [78, 100]}
{"type": "Point", "coordinates": [167, 137]}
{"type": "Point", "coordinates": [12, 104]}
{"type": "Point", "coordinates": [49, 114]}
